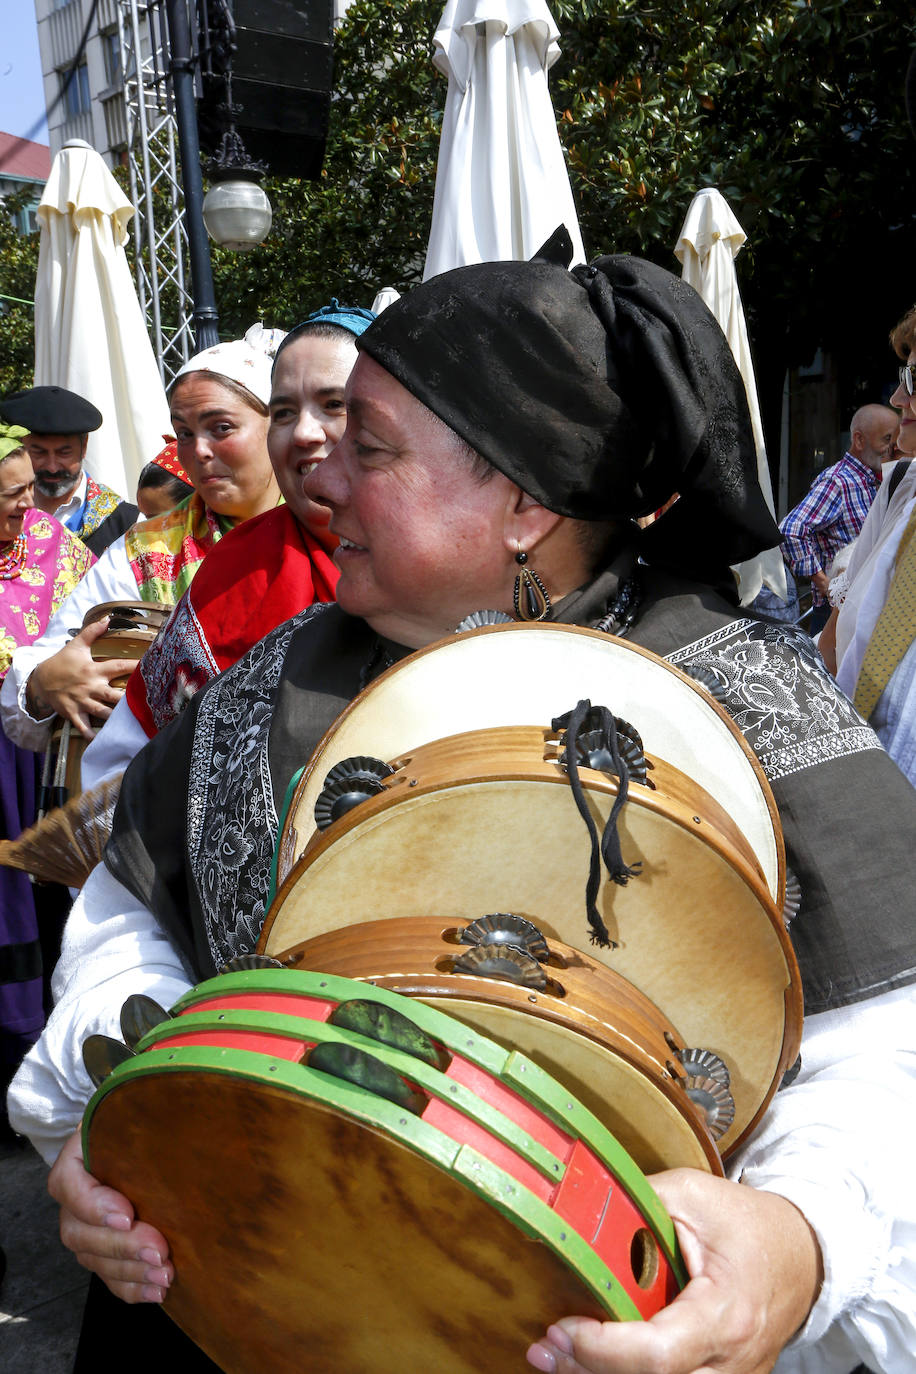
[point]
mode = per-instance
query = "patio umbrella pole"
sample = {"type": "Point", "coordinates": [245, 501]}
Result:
{"type": "Point", "coordinates": [181, 68]}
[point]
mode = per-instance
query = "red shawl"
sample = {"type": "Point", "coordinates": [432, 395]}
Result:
{"type": "Point", "coordinates": [260, 574]}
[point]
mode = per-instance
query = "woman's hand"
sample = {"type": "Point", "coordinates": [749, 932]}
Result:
{"type": "Point", "coordinates": [99, 1226]}
{"type": "Point", "coordinates": [72, 684]}
{"type": "Point", "coordinates": [756, 1271]}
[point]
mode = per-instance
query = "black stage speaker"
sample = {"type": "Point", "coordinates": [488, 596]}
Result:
{"type": "Point", "coordinates": [282, 75]}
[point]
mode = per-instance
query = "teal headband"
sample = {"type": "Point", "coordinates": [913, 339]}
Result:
{"type": "Point", "coordinates": [353, 318]}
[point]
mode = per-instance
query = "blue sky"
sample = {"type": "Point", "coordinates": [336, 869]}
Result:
{"type": "Point", "coordinates": [21, 92]}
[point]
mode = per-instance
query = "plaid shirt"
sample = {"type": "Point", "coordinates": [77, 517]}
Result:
{"type": "Point", "coordinates": [828, 518]}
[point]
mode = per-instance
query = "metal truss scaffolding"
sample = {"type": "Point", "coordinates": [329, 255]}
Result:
{"type": "Point", "coordinates": [160, 236]}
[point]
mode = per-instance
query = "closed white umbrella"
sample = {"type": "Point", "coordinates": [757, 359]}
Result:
{"type": "Point", "coordinates": [709, 242]}
{"type": "Point", "coordinates": [502, 186]}
{"type": "Point", "coordinates": [90, 335]}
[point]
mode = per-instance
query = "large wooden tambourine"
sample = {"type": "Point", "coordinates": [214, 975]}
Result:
{"type": "Point", "coordinates": [486, 822]}
{"type": "Point", "coordinates": [432, 1208]}
{"type": "Point", "coordinates": [529, 675]}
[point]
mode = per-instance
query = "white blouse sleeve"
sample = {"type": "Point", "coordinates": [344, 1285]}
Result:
{"type": "Point", "coordinates": [112, 947]}
{"type": "Point", "coordinates": [120, 739]}
{"type": "Point", "coordinates": [837, 1144]}
{"type": "Point", "coordinates": [110, 579]}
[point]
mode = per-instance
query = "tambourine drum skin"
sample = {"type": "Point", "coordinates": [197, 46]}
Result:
{"type": "Point", "coordinates": [529, 675]}
{"type": "Point", "coordinates": [590, 1029]}
{"type": "Point", "coordinates": [465, 828]}
{"type": "Point", "coordinates": [316, 1225]}
{"type": "Point", "coordinates": [134, 626]}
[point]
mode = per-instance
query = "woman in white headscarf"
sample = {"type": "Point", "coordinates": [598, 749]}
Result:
{"type": "Point", "coordinates": [219, 410]}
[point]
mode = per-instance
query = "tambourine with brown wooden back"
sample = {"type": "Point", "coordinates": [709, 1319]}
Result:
{"type": "Point", "coordinates": [132, 628]}
{"type": "Point", "coordinates": [487, 822]}
{"type": "Point", "coordinates": [583, 1023]}
{"type": "Point", "coordinates": [349, 1180]}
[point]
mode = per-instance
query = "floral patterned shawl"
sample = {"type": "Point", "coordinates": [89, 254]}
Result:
{"type": "Point", "coordinates": [54, 562]}
{"type": "Point", "coordinates": [165, 553]}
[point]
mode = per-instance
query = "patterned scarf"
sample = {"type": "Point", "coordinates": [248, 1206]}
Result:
{"type": "Point", "coordinates": [165, 553]}
{"type": "Point", "coordinates": [54, 562]}
{"type": "Point", "coordinates": [100, 503]}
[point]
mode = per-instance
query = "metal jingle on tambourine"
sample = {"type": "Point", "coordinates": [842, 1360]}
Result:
{"type": "Point", "coordinates": [348, 783]}
{"type": "Point", "coordinates": [706, 678]}
{"type": "Point", "coordinates": [698, 1063]}
{"type": "Point", "coordinates": [139, 1015]}
{"type": "Point", "coordinates": [594, 751]}
{"type": "Point", "coordinates": [715, 1102]}
{"type": "Point", "coordinates": [375, 1021]}
{"type": "Point", "coordinates": [508, 962]}
{"type": "Point", "coordinates": [242, 963]}
{"type": "Point", "coordinates": [102, 1054]}
{"type": "Point", "coordinates": [505, 928]}
{"type": "Point", "coordinates": [478, 619]}
{"type": "Point", "coordinates": [792, 899]}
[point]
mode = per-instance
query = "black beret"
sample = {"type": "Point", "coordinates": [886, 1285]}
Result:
{"type": "Point", "coordinates": [50, 410]}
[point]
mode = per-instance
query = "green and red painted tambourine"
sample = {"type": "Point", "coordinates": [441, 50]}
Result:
{"type": "Point", "coordinates": [351, 1180]}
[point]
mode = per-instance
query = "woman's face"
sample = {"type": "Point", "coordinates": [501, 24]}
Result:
{"type": "Point", "coordinates": [423, 540]}
{"type": "Point", "coordinates": [222, 445]}
{"type": "Point", "coordinates": [906, 404]}
{"type": "Point", "coordinates": [17, 487]}
{"type": "Point", "coordinates": [308, 415]}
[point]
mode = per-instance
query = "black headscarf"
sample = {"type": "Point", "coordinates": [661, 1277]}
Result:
{"type": "Point", "coordinates": [601, 392]}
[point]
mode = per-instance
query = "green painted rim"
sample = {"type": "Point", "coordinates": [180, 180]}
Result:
{"type": "Point", "coordinates": [534, 1083]}
{"type": "Point", "coordinates": [284, 812]}
{"type": "Point", "coordinates": [532, 1216]}
{"type": "Point", "coordinates": [431, 1080]}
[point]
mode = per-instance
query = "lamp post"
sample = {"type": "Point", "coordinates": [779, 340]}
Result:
{"type": "Point", "coordinates": [236, 210]}
{"type": "Point", "coordinates": [181, 66]}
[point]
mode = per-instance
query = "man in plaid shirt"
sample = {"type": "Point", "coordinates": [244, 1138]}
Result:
{"type": "Point", "coordinates": [834, 510]}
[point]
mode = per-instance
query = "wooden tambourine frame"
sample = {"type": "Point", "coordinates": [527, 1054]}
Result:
{"type": "Point", "coordinates": [487, 822]}
{"type": "Point", "coordinates": [315, 1225]}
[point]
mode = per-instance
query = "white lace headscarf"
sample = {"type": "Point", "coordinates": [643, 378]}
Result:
{"type": "Point", "coordinates": [247, 361]}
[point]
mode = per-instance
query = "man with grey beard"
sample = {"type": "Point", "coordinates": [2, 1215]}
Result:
{"type": "Point", "coordinates": [59, 424]}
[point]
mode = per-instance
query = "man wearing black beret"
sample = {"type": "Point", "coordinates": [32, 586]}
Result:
{"type": "Point", "coordinates": [59, 423]}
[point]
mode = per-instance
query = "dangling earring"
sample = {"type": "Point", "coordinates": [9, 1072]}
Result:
{"type": "Point", "coordinates": [530, 596]}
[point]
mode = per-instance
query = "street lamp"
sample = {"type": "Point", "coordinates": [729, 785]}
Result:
{"type": "Point", "coordinates": [236, 210]}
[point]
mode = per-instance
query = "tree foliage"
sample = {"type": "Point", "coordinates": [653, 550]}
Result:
{"type": "Point", "coordinates": [18, 269]}
{"type": "Point", "coordinates": [792, 108]}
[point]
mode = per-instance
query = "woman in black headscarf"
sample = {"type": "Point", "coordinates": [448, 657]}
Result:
{"type": "Point", "coordinates": [507, 425]}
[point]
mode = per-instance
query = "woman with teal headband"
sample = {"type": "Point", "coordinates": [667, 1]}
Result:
{"type": "Point", "coordinates": [40, 564]}
{"type": "Point", "coordinates": [272, 566]}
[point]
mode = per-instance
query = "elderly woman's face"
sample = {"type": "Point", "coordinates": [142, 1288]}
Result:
{"type": "Point", "coordinates": [308, 415]}
{"type": "Point", "coordinates": [222, 446]}
{"type": "Point", "coordinates": [423, 540]}
{"type": "Point", "coordinates": [17, 486]}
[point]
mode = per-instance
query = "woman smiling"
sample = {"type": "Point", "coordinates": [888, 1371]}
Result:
{"type": "Point", "coordinates": [508, 423]}
{"type": "Point", "coordinates": [219, 414]}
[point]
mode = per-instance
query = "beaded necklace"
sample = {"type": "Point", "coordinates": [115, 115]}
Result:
{"type": "Point", "coordinates": [12, 559]}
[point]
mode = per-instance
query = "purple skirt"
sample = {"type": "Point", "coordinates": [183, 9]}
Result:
{"type": "Point", "coordinates": [21, 998]}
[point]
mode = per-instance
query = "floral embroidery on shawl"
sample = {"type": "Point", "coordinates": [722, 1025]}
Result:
{"type": "Point", "coordinates": [55, 561]}
{"type": "Point", "coordinates": [780, 695]}
{"type": "Point", "coordinates": [232, 819]}
{"type": "Point", "coordinates": [100, 503]}
{"type": "Point", "coordinates": [177, 664]}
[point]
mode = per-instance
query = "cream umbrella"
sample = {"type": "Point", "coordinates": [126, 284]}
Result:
{"type": "Point", "coordinates": [709, 242]}
{"type": "Point", "coordinates": [501, 183]}
{"type": "Point", "coordinates": [90, 335]}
